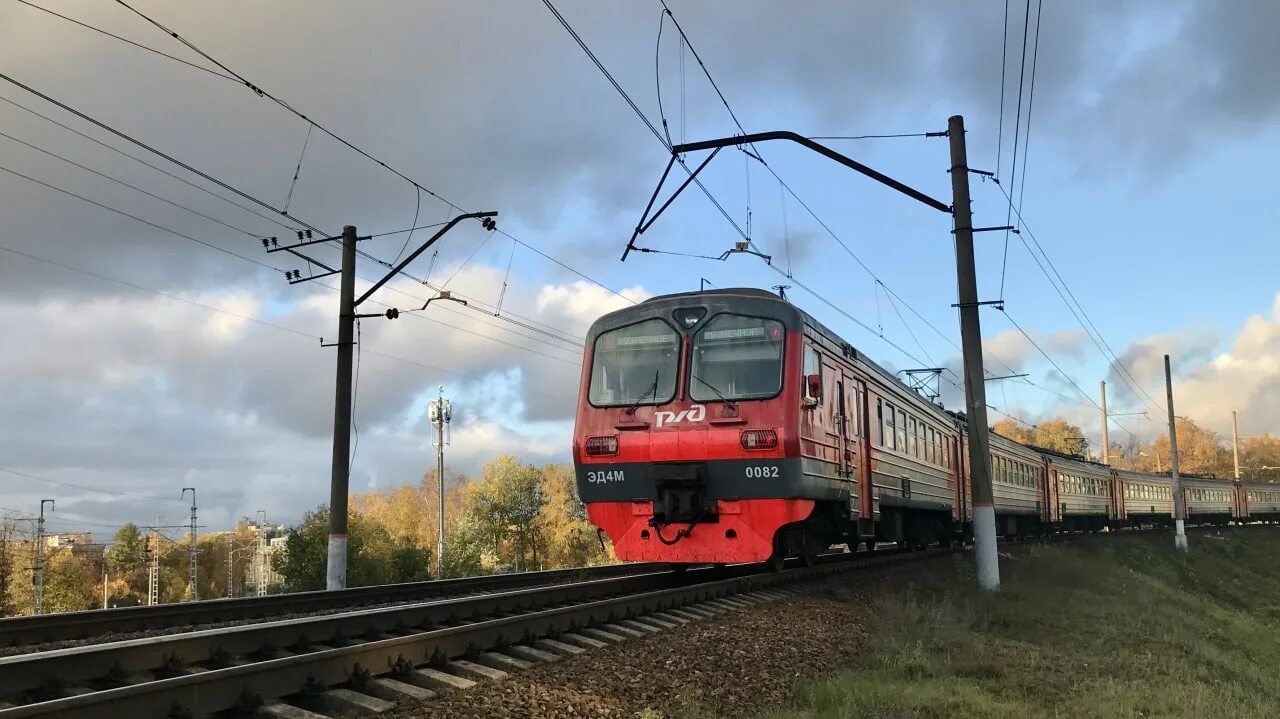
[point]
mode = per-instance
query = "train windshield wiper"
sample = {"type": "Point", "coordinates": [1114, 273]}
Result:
{"type": "Point", "coordinates": [653, 389]}
{"type": "Point", "coordinates": [727, 402]}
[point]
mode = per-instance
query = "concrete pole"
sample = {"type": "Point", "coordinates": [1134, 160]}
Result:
{"type": "Point", "coordinates": [1106, 440]}
{"type": "Point", "coordinates": [336, 574]}
{"type": "Point", "coordinates": [104, 581]}
{"type": "Point", "coordinates": [984, 514]}
{"type": "Point", "coordinates": [1179, 502]}
{"type": "Point", "coordinates": [441, 413]}
{"type": "Point", "coordinates": [1235, 443]}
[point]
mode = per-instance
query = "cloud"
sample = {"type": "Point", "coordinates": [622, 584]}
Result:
{"type": "Point", "coordinates": [1208, 386]}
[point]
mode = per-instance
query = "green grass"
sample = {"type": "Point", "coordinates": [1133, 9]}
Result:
{"type": "Point", "coordinates": [1104, 627]}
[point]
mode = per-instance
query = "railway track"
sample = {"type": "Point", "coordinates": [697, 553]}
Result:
{"type": "Point", "coordinates": [98, 623]}
{"type": "Point", "coordinates": [361, 659]}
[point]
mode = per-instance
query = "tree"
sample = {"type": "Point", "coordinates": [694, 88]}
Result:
{"type": "Point", "coordinates": [505, 503]}
{"type": "Point", "coordinates": [1056, 435]}
{"type": "Point", "coordinates": [70, 582]}
{"type": "Point", "coordinates": [126, 560]}
{"type": "Point", "coordinates": [569, 539]}
{"type": "Point", "coordinates": [373, 557]}
{"type": "Point", "coordinates": [1260, 458]}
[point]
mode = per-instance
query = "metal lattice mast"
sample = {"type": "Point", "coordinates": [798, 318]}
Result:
{"type": "Point", "coordinates": [153, 570]}
{"type": "Point", "coordinates": [192, 592]}
{"type": "Point", "coordinates": [441, 412]}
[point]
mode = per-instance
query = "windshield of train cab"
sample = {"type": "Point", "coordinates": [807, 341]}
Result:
{"type": "Point", "coordinates": [736, 358]}
{"type": "Point", "coordinates": [635, 365]}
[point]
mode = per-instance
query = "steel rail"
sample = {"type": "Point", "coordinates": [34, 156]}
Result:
{"type": "Point", "coordinates": [215, 670]}
{"type": "Point", "coordinates": [97, 623]}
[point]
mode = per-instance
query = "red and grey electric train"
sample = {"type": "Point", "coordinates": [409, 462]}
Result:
{"type": "Point", "coordinates": [730, 426]}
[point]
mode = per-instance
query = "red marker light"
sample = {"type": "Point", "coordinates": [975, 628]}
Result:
{"type": "Point", "coordinates": [602, 446]}
{"type": "Point", "coordinates": [759, 439]}
{"type": "Point", "coordinates": [775, 332]}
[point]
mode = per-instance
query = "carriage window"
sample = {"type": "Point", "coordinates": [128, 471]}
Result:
{"type": "Point", "coordinates": [736, 357]}
{"type": "Point", "coordinates": [812, 366]}
{"type": "Point", "coordinates": [912, 445]}
{"type": "Point", "coordinates": [886, 426]}
{"type": "Point", "coordinates": [902, 431]}
{"type": "Point", "coordinates": [635, 364]}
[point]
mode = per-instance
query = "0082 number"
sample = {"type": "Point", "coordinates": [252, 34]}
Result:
{"type": "Point", "coordinates": [762, 472]}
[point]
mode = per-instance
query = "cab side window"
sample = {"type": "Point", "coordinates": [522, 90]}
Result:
{"type": "Point", "coordinates": [812, 366]}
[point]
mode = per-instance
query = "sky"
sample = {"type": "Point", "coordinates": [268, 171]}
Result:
{"type": "Point", "coordinates": [152, 344]}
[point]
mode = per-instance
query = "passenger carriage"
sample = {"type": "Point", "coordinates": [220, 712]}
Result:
{"type": "Point", "coordinates": [1257, 501]}
{"type": "Point", "coordinates": [1079, 493]}
{"type": "Point", "coordinates": [1208, 501]}
{"type": "Point", "coordinates": [1145, 499]}
{"type": "Point", "coordinates": [1018, 487]}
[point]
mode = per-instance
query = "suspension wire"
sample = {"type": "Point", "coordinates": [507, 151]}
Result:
{"type": "Point", "coordinates": [1031, 99]}
{"type": "Point", "coordinates": [298, 170]}
{"type": "Point", "coordinates": [140, 161]}
{"type": "Point", "coordinates": [786, 233]}
{"type": "Point", "coordinates": [118, 181]}
{"type": "Point", "coordinates": [128, 41]}
{"type": "Point", "coordinates": [1004, 63]}
{"type": "Point", "coordinates": [1082, 317]}
{"type": "Point", "coordinates": [510, 259]}
{"type": "Point", "coordinates": [1017, 127]}
{"type": "Point", "coordinates": [417, 207]}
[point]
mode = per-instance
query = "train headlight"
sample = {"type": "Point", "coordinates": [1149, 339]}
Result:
{"type": "Point", "coordinates": [602, 446]}
{"type": "Point", "coordinates": [759, 439]}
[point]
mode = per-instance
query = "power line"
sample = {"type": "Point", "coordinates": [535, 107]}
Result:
{"type": "Point", "coordinates": [139, 160]}
{"type": "Point", "coordinates": [135, 188]}
{"type": "Point", "coordinates": [644, 118]}
{"type": "Point", "coordinates": [83, 487]}
{"type": "Point", "coordinates": [1017, 128]}
{"type": "Point", "coordinates": [149, 223]}
{"type": "Point", "coordinates": [228, 187]}
{"type": "Point", "coordinates": [1031, 99]}
{"type": "Point", "coordinates": [128, 41]}
{"type": "Point", "coordinates": [1004, 63]}
{"type": "Point", "coordinates": [1061, 371]}
{"type": "Point", "coordinates": [1082, 317]}
{"type": "Point", "coordinates": [188, 168]}
{"type": "Point", "coordinates": [263, 93]}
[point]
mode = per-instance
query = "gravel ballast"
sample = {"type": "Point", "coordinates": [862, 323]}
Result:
{"type": "Point", "coordinates": [732, 665]}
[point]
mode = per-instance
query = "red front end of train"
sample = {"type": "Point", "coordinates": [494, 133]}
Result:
{"type": "Point", "coordinates": [685, 444]}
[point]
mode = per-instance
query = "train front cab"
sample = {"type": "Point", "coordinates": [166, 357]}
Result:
{"type": "Point", "coordinates": [686, 444]}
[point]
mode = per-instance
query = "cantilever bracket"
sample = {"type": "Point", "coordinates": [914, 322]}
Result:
{"type": "Point", "coordinates": [643, 225]}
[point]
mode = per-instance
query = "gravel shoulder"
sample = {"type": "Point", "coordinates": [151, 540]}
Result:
{"type": "Point", "coordinates": [733, 665]}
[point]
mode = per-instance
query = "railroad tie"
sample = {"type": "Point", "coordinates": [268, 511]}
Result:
{"type": "Point", "coordinates": [552, 645]}
{"type": "Point", "coordinates": [533, 655]}
{"type": "Point", "coordinates": [280, 710]}
{"type": "Point", "coordinates": [395, 690]}
{"type": "Point", "coordinates": [603, 635]}
{"type": "Point", "coordinates": [623, 631]}
{"type": "Point", "coordinates": [356, 702]}
{"type": "Point", "coordinates": [435, 679]}
{"type": "Point", "coordinates": [584, 641]}
{"type": "Point", "coordinates": [505, 662]}
{"type": "Point", "coordinates": [471, 670]}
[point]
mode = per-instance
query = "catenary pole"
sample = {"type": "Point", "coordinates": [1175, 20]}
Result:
{"type": "Point", "coordinates": [440, 414]}
{"type": "Point", "coordinates": [336, 574]}
{"type": "Point", "coordinates": [1106, 440]}
{"type": "Point", "coordinates": [37, 604]}
{"type": "Point", "coordinates": [984, 515]}
{"type": "Point", "coordinates": [1179, 502]}
{"type": "Point", "coordinates": [1235, 443]}
{"type": "Point", "coordinates": [192, 566]}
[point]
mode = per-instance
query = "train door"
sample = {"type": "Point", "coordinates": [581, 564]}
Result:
{"type": "Point", "coordinates": [866, 524]}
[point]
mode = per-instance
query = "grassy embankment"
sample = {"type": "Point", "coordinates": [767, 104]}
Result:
{"type": "Point", "coordinates": [1105, 627]}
